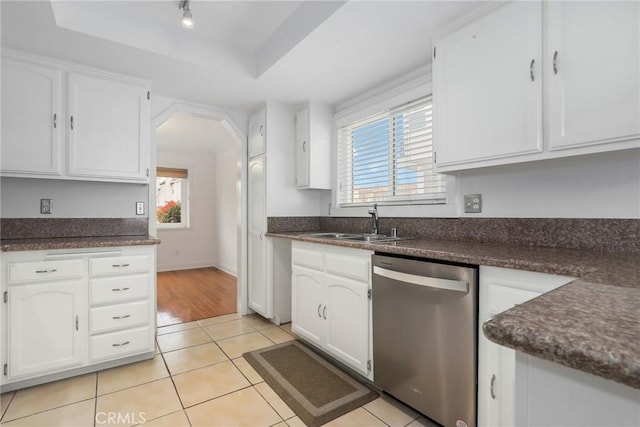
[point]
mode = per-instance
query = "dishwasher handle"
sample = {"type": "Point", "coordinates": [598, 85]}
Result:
{"type": "Point", "coordinates": [430, 282]}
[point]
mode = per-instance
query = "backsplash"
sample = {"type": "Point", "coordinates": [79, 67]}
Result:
{"type": "Point", "coordinates": [610, 235]}
{"type": "Point", "coordinates": [46, 228]}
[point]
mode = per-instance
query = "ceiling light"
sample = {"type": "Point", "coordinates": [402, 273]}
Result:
{"type": "Point", "coordinates": [187, 19]}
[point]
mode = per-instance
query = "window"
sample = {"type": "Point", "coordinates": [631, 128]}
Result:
{"type": "Point", "coordinates": [387, 158]}
{"type": "Point", "coordinates": [172, 198]}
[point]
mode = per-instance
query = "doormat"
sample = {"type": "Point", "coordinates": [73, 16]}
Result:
{"type": "Point", "coordinates": [314, 389]}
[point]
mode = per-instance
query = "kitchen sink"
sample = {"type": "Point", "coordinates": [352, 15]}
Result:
{"type": "Point", "coordinates": [333, 235]}
{"type": "Point", "coordinates": [373, 238]}
{"type": "Point", "coordinates": [357, 237]}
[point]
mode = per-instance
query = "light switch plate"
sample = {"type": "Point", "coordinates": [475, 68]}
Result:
{"type": "Point", "coordinates": [472, 203]}
{"type": "Point", "coordinates": [139, 208]}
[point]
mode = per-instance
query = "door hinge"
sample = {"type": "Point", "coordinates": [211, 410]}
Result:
{"type": "Point", "coordinates": [148, 94]}
{"type": "Point", "coordinates": [369, 293]}
{"type": "Point", "coordinates": [369, 365]}
{"type": "Point", "coordinates": [5, 369]}
{"type": "Point", "coordinates": [434, 51]}
{"type": "Point", "coordinates": [6, 296]}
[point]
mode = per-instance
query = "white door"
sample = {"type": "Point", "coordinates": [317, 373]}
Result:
{"type": "Point", "coordinates": [32, 118]}
{"type": "Point", "coordinates": [592, 72]}
{"type": "Point", "coordinates": [302, 148]}
{"type": "Point", "coordinates": [108, 128]}
{"type": "Point", "coordinates": [257, 283]}
{"type": "Point", "coordinates": [347, 317]}
{"type": "Point", "coordinates": [307, 304]}
{"type": "Point", "coordinates": [487, 87]}
{"type": "Point", "coordinates": [47, 327]}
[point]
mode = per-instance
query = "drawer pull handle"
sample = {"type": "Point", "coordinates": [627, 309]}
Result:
{"type": "Point", "coordinates": [493, 387]}
{"type": "Point", "coordinates": [324, 313]}
{"type": "Point", "coordinates": [319, 306]}
{"type": "Point", "coordinates": [52, 270]}
{"type": "Point", "coordinates": [119, 289]}
{"type": "Point", "coordinates": [119, 265]}
{"type": "Point", "coordinates": [121, 344]}
{"type": "Point", "coordinates": [121, 317]}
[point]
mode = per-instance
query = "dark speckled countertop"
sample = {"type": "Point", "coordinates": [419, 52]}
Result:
{"type": "Point", "coordinates": [7, 245]}
{"type": "Point", "coordinates": [591, 324]}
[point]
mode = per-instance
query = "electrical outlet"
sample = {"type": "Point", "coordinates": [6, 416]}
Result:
{"type": "Point", "coordinates": [139, 208]}
{"type": "Point", "coordinates": [46, 206]}
{"type": "Point", "coordinates": [473, 203]}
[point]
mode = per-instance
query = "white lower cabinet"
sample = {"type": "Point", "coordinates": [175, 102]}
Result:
{"type": "Point", "coordinates": [46, 325]}
{"type": "Point", "coordinates": [65, 312]}
{"type": "Point", "coordinates": [330, 303]}
{"type": "Point", "coordinates": [501, 289]}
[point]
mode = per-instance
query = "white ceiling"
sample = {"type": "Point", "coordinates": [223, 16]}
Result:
{"type": "Point", "coordinates": [240, 52]}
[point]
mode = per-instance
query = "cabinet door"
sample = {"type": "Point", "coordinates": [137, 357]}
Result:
{"type": "Point", "coordinates": [257, 133]}
{"type": "Point", "coordinates": [347, 317]}
{"type": "Point", "coordinates": [307, 304]}
{"type": "Point", "coordinates": [497, 381]}
{"type": "Point", "coordinates": [108, 128]}
{"type": "Point", "coordinates": [593, 64]}
{"type": "Point", "coordinates": [487, 87]}
{"type": "Point", "coordinates": [257, 284]}
{"type": "Point", "coordinates": [501, 289]}
{"type": "Point", "coordinates": [302, 148]}
{"type": "Point", "coordinates": [46, 327]}
{"type": "Point", "coordinates": [32, 118]}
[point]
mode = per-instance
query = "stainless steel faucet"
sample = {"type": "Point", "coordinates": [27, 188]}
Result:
{"type": "Point", "coordinates": [375, 219]}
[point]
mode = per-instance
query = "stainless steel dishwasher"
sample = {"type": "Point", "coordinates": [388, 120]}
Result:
{"type": "Point", "coordinates": [425, 336]}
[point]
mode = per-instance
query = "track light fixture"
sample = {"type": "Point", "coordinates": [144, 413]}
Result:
{"type": "Point", "coordinates": [187, 19]}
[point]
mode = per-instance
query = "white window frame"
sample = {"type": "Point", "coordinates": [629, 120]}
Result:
{"type": "Point", "coordinates": [184, 204]}
{"type": "Point", "coordinates": [370, 105]}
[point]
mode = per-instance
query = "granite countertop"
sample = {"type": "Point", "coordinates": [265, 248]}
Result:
{"type": "Point", "coordinates": [7, 245]}
{"type": "Point", "coordinates": [591, 324]}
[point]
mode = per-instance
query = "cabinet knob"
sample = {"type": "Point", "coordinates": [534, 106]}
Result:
{"type": "Point", "coordinates": [531, 74]}
{"type": "Point", "coordinates": [555, 62]}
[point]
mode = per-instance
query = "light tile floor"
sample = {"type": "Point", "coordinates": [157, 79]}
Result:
{"type": "Point", "coordinates": [197, 378]}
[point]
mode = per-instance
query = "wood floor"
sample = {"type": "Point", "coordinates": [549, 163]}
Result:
{"type": "Point", "coordinates": [188, 295]}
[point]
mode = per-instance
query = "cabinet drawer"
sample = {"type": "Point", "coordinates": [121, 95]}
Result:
{"type": "Point", "coordinates": [308, 259]}
{"type": "Point", "coordinates": [44, 270]}
{"type": "Point", "coordinates": [352, 267]}
{"type": "Point", "coordinates": [120, 288]}
{"type": "Point", "coordinates": [116, 344]}
{"type": "Point", "coordinates": [117, 265]}
{"type": "Point", "coordinates": [120, 316]}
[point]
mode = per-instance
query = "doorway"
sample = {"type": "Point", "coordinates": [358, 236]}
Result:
{"type": "Point", "coordinates": [200, 256]}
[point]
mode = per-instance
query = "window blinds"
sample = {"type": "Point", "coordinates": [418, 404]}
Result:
{"type": "Point", "coordinates": [387, 158]}
{"type": "Point", "coordinates": [171, 173]}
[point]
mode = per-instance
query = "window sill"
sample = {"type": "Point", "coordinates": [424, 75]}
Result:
{"type": "Point", "coordinates": [400, 211]}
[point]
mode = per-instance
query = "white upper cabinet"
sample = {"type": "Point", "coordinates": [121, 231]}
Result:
{"type": "Point", "coordinates": [257, 133]}
{"type": "Point", "coordinates": [592, 72]}
{"type": "Point", "coordinates": [108, 128]}
{"type": "Point", "coordinates": [63, 121]}
{"type": "Point", "coordinates": [32, 118]}
{"type": "Point", "coordinates": [313, 147]}
{"type": "Point", "coordinates": [487, 87]}
{"type": "Point", "coordinates": [537, 80]}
